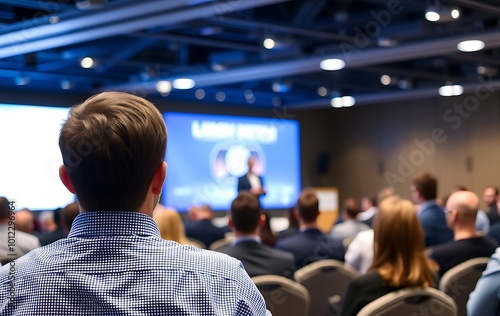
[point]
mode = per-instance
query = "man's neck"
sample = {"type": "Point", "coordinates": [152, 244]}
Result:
{"type": "Point", "coordinates": [460, 233]}
{"type": "Point", "coordinates": [240, 234]}
{"type": "Point", "coordinates": [304, 226]}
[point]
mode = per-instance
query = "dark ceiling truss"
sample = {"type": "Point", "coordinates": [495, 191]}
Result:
{"type": "Point", "coordinates": [219, 45]}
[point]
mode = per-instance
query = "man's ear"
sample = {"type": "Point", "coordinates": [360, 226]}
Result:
{"type": "Point", "coordinates": [262, 220]}
{"type": "Point", "coordinates": [159, 178]}
{"type": "Point", "coordinates": [64, 176]}
{"type": "Point", "coordinates": [230, 223]}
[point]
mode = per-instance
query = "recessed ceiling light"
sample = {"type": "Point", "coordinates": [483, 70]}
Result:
{"type": "Point", "coordinates": [269, 43]}
{"type": "Point", "coordinates": [470, 46]}
{"type": "Point", "coordinates": [322, 91]}
{"type": "Point", "coordinates": [345, 101]}
{"type": "Point", "coordinates": [450, 90]}
{"type": "Point", "coordinates": [385, 80]}
{"type": "Point", "coordinates": [199, 94]}
{"type": "Point", "coordinates": [432, 16]}
{"type": "Point", "coordinates": [183, 83]}
{"type": "Point", "coordinates": [455, 13]}
{"type": "Point", "coordinates": [164, 87]}
{"type": "Point", "coordinates": [87, 62]}
{"type": "Point", "coordinates": [220, 96]}
{"type": "Point", "coordinates": [332, 64]}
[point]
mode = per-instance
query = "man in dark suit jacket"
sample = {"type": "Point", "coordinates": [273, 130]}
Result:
{"type": "Point", "coordinates": [431, 216]}
{"type": "Point", "coordinates": [200, 226]}
{"type": "Point", "coordinates": [251, 182]}
{"type": "Point", "coordinates": [310, 244]}
{"type": "Point", "coordinates": [245, 220]}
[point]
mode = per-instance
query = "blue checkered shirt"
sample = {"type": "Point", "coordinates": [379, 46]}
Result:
{"type": "Point", "coordinates": [115, 263]}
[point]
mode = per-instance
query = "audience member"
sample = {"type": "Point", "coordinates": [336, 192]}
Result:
{"type": "Point", "coordinates": [399, 260]}
{"type": "Point", "coordinates": [293, 225]}
{"type": "Point", "coordinates": [482, 221]}
{"type": "Point", "coordinates": [200, 226]}
{"type": "Point", "coordinates": [431, 216]}
{"type": "Point", "coordinates": [48, 221]}
{"type": "Point", "coordinates": [359, 254]}
{"type": "Point", "coordinates": [69, 213]}
{"type": "Point", "coordinates": [484, 300]}
{"type": "Point", "coordinates": [170, 224]}
{"type": "Point", "coordinates": [22, 242]}
{"type": "Point", "coordinates": [114, 261]}
{"type": "Point", "coordinates": [461, 210]}
{"type": "Point", "coordinates": [246, 219]}
{"type": "Point", "coordinates": [369, 207]}
{"type": "Point", "coordinates": [25, 221]}
{"type": "Point", "coordinates": [490, 197]}
{"type": "Point", "coordinates": [56, 232]}
{"type": "Point", "coordinates": [350, 227]}
{"type": "Point", "coordinates": [266, 233]}
{"type": "Point", "coordinates": [310, 244]}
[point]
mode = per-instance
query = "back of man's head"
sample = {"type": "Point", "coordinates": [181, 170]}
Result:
{"type": "Point", "coordinates": [351, 208]}
{"type": "Point", "coordinates": [4, 208]}
{"type": "Point", "coordinates": [25, 221]}
{"type": "Point", "coordinates": [245, 213]}
{"type": "Point", "coordinates": [308, 206]}
{"type": "Point", "coordinates": [466, 205]}
{"type": "Point", "coordinates": [426, 185]}
{"type": "Point", "coordinates": [112, 144]}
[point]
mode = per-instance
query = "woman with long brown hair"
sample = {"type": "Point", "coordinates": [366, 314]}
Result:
{"type": "Point", "coordinates": [399, 260]}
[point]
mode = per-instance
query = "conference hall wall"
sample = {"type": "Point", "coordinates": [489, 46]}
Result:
{"type": "Point", "coordinates": [364, 148]}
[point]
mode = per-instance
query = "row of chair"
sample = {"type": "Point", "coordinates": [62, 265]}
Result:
{"type": "Point", "coordinates": [320, 284]}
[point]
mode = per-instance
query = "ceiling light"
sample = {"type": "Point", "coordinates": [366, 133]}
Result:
{"type": "Point", "coordinates": [66, 84]}
{"type": "Point", "coordinates": [199, 94]}
{"type": "Point", "coordinates": [269, 43]}
{"type": "Point", "coordinates": [470, 46]}
{"type": "Point", "coordinates": [164, 87]}
{"type": "Point", "coordinates": [432, 16]}
{"type": "Point", "coordinates": [53, 19]}
{"type": "Point", "coordinates": [183, 83]}
{"type": "Point", "coordinates": [455, 13]}
{"type": "Point", "coordinates": [450, 90]}
{"type": "Point", "coordinates": [385, 80]}
{"type": "Point", "coordinates": [345, 101]}
{"type": "Point", "coordinates": [332, 64]}
{"type": "Point", "coordinates": [248, 93]}
{"type": "Point", "coordinates": [322, 91]}
{"type": "Point", "coordinates": [281, 87]}
{"type": "Point", "coordinates": [220, 96]}
{"type": "Point", "coordinates": [87, 62]}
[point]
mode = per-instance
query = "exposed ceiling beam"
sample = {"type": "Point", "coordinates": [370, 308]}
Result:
{"type": "Point", "coordinates": [127, 26]}
{"type": "Point", "coordinates": [232, 22]}
{"type": "Point", "coordinates": [202, 41]}
{"type": "Point", "coordinates": [354, 57]}
{"type": "Point", "coordinates": [49, 6]}
{"type": "Point", "coordinates": [483, 86]}
{"type": "Point", "coordinates": [478, 5]}
{"type": "Point", "coordinates": [85, 20]}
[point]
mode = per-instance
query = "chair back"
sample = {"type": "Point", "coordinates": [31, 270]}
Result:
{"type": "Point", "coordinates": [326, 281]}
{"type": "Point", "coordinates": [283, 296]}
{"type": "Point", "coordinates": [460, 281]}
{"type": "Point", "coordinates": [412, 301]}
{"type": "Point", "coordinates": [220, 243]}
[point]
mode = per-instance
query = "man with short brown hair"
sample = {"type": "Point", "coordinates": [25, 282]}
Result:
{"type": "Point", "coordinates": [310, 244]}
{"type": "Point", "coordinates": [114, 261]}
{"type": "Point", "coordinates": [431, 216]}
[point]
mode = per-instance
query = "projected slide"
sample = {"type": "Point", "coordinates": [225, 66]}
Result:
{"type": "Point", "coordinates": [206, 154]}
{"type": "Point", "coordinates": [30, 156]}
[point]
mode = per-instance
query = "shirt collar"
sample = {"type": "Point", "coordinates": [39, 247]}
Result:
{"type": "Point", "coordinates": [238, 240]}
{"type": "Point", "coordinates": [427, 204]}
{"type": "Point", "coordinates": [113, 223]}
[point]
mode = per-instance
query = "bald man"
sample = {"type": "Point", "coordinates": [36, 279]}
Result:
{"type": "Point", "coordinates": [461, 211]}
{"type": "Point", "coordinates": [25, 221]}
